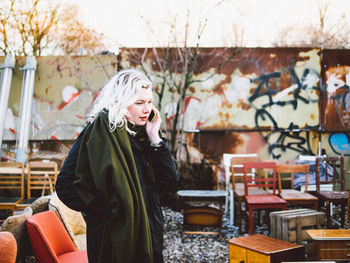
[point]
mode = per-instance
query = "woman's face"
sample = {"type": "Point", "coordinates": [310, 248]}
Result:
{"type": "Point", "coordinates": [140, 110]}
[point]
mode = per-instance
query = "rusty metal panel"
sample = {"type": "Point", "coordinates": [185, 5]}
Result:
{"type": "Point", "coordinates": [259, 89]}
{"type": "Point", "coordinates": [335, 102]}
{"type": "Point", "coordinates": [285, 145]}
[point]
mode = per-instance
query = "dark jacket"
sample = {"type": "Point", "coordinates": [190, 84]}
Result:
{"type": "Point", "coordinates": [165, 179]}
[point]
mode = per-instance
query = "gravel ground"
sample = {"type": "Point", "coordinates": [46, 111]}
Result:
{"type": "Point", "coordinates": [179, 247]}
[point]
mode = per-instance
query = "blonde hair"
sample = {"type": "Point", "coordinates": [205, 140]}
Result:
{"type": "Point", "coordinates": [120, 92]}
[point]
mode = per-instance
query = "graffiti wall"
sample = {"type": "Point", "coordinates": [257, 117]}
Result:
{"type": "Point", "coordinates": [335, 100]}
{"type": "Point", "coordinates": [262, 87]}
{"type": "Point", "coordinates": [265, 100]}
{"type": "Point", "coordinates": [64, 89]}
{"type": "Point", "coordinates": [280, 103]}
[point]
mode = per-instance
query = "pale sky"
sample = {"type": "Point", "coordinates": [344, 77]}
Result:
{"type": "Point", "coordinates": [259, 19]}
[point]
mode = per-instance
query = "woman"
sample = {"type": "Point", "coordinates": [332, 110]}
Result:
{"type": "Point", "coordinates": [121, 165]}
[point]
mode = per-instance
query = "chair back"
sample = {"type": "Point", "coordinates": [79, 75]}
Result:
{"type": "Point", "coordinates": [236, 167]}
{"type": "Point", "coordinates": [288, 170]}
{"type": "Point", "coordinates": [48, 237]}
{"type": "Point", "coordinates": [227, 160]}
{"type": "Point", "coordinates": [265, 182]}
{"type": "Point", "coordinates": [332, 172]}
{"type": "Point", "coordinates": [42, 176]}
{"type": "Point", "coordinates": [12, 179]}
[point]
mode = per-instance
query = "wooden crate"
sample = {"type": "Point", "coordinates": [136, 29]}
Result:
{"type": "Point", "coordinates": [294, 226]}
{"type": "Point", "coordinates": [291, 226]}
{"type": "Point", "coordinates": [275, 216]}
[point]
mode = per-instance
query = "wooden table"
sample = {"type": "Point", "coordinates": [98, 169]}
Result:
{"type": "Point", "coordinates": [331, 243]}
{"type": "Point", "coordinates": [262, 249]}
{"type": "Point", "coordinates": [198, 212]}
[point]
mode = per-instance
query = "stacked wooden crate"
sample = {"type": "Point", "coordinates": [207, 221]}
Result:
{"type": "Point", "coordinates": [291, 225]}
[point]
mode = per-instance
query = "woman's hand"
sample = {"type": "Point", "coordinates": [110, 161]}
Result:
{"type": "Point", "coordinates": [152, 127]}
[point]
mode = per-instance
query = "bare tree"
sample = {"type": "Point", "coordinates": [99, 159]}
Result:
{"type": "Point", "coordinates": [325, 34]}
{"type": "Point", "coordinates": [41, 27]}
{"type": "Point", "coordinates": [175, 69]}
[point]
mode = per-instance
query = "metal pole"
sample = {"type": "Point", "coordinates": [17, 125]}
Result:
{"type": "Point", "coordinates": [7, 68]}
{"type": "Point", "coordinates": [25, 109]}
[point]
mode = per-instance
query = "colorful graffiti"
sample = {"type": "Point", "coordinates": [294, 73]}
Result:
{"type": "Point", "coordinates": [288, 99]}
{"type": "Point", "coordinates": [340, 143]}
{"type": "Point", "coordinates": [337, 109]}
{"type": "Point", "coordinates": [335, 98]}
{"type": "Point", "coordinates": [280, 140]}
{"type": "Point", "coordinates": [64, 89]}
{"type": "Point", "coordinates": [253, 96]}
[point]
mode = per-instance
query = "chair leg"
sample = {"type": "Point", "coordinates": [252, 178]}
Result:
{"type": "Point", "coordinates": [232, 208]}
{"type": "Point", "coordinates": [328, 213]}
{"type": "Point", "coordinates": [246, 218]}
{"type": "Point", "coordinates": [342, 215]}
{"type": "Point", "coordinates": [235, 216]}
{"type": "Point", "coordinates": [239, 215]}
{"type": "Point", "coordinates": [226, 204]}
{"type": "Point", "coordinates": [250, 221]}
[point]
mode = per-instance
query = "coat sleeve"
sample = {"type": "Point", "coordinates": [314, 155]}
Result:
{"type": "Point", "coordinates": [64, 184]}
{"type": "Point", "coordinates": [65, 189]}
{"type": "Point", "coordinates": [165, 168]}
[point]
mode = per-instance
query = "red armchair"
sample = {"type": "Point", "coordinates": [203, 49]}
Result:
{"type": "Point", "coordinates": [50, 240]}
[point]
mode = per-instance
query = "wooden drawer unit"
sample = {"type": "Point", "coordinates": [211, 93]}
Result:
{"type": "Point", "coordinates": [262, 249]}
{"type": "Point", "coordinates": [331, 244]}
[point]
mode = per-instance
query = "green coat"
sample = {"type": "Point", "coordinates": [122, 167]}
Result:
{"type": "Point", "coordinates": [106, 168]}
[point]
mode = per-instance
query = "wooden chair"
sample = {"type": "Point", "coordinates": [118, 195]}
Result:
{"type": "Point", "coordinates": [42, 176]}
{"type": "Point", "coordinates": [11, 185]}
{"type": "Point", "coordinates": [238, 186]}
{"type": "Point", "coordinates": [333, 171]}
{"type": "Point", "coordinates": [291, 195]}
{"type": "Point", "coordinates": [260, 202]}
{"type": "Point", "coordinates": [228, 179]}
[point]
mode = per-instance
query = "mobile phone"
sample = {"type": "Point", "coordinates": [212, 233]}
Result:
{"type": "Point", "coordinates": [152, 116]}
